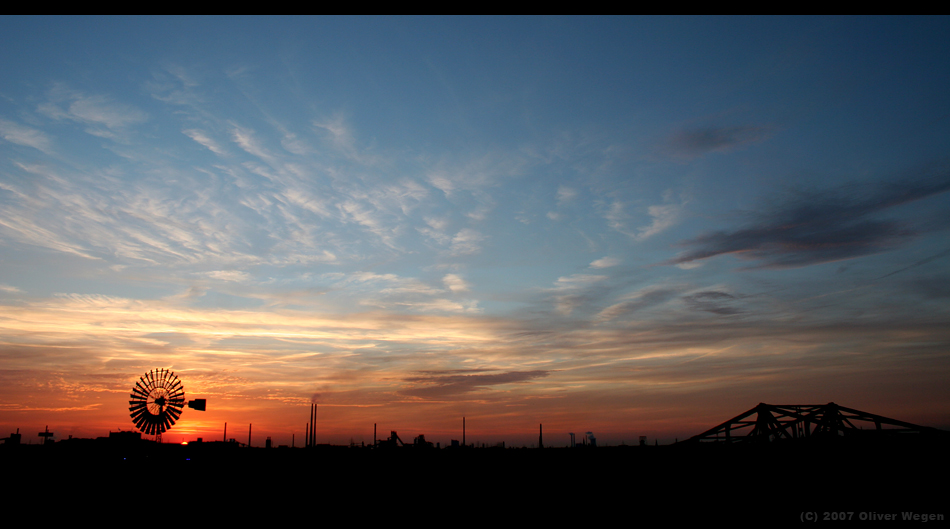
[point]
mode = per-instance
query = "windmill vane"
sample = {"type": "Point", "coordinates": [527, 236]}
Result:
{"type": "Point", "coordinates": [156, 401]}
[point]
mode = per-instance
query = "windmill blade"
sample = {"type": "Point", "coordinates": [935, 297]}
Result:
{"type": "Point", "coordinates": [156, 385]}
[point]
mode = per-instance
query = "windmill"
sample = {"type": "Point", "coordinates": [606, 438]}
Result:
{"type": "Point", "coordinates": [157, 401]}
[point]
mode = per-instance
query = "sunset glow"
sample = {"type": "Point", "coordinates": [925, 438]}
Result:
{"type": "Point", "coordinates": [631, 226]}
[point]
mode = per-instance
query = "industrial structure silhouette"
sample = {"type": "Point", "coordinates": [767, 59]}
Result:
{"type": "Point", "coordinates": [816, 458]}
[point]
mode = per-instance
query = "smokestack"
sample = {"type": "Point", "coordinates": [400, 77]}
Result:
{"type": "Point", "coordinates": [374, 434]}
{"type": "Point", "coordinates": [463, 431]}
{"type": "Point", "coordinates": [225, 432]}
{"type": "Point", "coordinates": [313, 426]}
{"type": "Point", "coordinates": [540, 436]}
{"type": "Point", "coordinates": [248, 435]}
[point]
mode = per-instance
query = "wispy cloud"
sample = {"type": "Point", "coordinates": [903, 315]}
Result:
{"type": "Point", "coordinates": [204, 140]}
{"type": "Point", "coordinates": [441, 305]}
{"type": "Point", "coordinates": [565, 195]}
{"type": "Point", "coordinates": [103, 116]}
{"type": "Point", "coordinates": [616, 217]}
{"type": "Point", "coordinates": [229, 275]}
{"type": "Point", "coordinates": [338, 133]}
{"type": "Point", "coordinates": [29, 232]}
{"type": "Point", "coordinates": [475, 174]}
{"type": "Point", "coordinates": [816, 228]}
{"type": "Point", "coordinates": [436, 385]}
{"type": "Point", "coordinates": [690, 143]}
{"type": "Point", "coordinates": [639, 300]}
{"type": "Point", "coordinates": [714, 301]}
{"type": "Point", "coordinates": [455, 283]}
{"type": "Point", "coordinates": [393, 284]}
{"type": "Point", "coordinates": [605, 262]}
{"type": "Point", "coordinates": [23, 135]}
{"type": "Point", "coordinates": [340, 136]}
{"type": "Point", "coordinates": [246, 140]}
{"type": "Point", "coordinates": [663, 217]}
{"type": "Point", "coordinates": [370, 218]}
{"type": "Point", "coordinates": [101, 110]}
{"type": "Point", "coordinates": [573, 291]}
{"type": "Point", "coordinates": [467, 242]}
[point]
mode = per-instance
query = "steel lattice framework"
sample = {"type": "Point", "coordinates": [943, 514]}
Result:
{"type": "Point", "coordinates": [769, 422]}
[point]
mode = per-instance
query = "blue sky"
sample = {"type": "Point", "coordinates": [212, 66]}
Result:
{"type": "Point", "coordinates": [640, 226]}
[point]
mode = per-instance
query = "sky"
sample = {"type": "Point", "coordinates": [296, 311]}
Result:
{"type": "Point", "coordinates": [629, 226]}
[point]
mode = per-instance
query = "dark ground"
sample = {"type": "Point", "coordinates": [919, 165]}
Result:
{"type": "Point", "coordinates": [772, 483]}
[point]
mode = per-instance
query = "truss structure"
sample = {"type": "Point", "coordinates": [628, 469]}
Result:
{"type": "Point", "coordinates": [769, 422]}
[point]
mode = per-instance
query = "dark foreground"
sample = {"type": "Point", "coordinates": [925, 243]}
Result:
{"type": "Point", "coordinates": [772, 483]}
